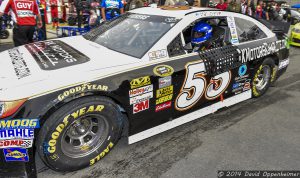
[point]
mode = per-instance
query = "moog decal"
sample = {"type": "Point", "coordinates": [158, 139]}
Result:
{"type": "Point", "coordinates": [55, 54]}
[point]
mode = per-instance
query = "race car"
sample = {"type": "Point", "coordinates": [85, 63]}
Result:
{"type": "Point", "coordinates": [136, 76]}
{"type": "Point", "coordinates": [295, 35]}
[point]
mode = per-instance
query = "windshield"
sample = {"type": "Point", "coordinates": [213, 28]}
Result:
{"type": "Point", "coordinates": [135, 34]}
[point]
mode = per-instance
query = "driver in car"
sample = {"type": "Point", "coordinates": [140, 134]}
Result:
{"type": "Point", "coordinates": [201, 35]}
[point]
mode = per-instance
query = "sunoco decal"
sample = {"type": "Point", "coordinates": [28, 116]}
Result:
{"type": "Point", "coordinates": [163, 70]}
{"type": "Point", "coordinates": [17, 133]}
{"type": "Point", "coordinates": [55, 54]}
{"type": "Point", "coordinates": [19, 63]}
{"type": "Point", "coordinates": [16, 154]}
{"type": "Point", "coordinates": [19, 124]}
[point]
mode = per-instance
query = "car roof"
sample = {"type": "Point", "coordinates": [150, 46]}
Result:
{"type": "Point", "coordinates": [170, 13]}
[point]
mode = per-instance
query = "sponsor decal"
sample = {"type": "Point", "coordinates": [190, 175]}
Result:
{"type": "Point", "coordinates": [163, 106]}
{"type": "Point", "coordinates": [233, 32]}
{"type": "Point", "coordinates": [17, 133]}
{"type": "Point", "coordinates": [16, 143]}
{"type": "Point", "coordinates": [163, 70]}
{"type": "Point", "coordinates": [139, 91]}
{"type": "Point", "coordinates": [157, 54]}
{"type": "Point", "coordinates": [284, 63]}
{"type": "Point", "coordinates": [142, 106]}
{"type": "Point", "coordinates": [241, 86]}
{"type": "Point", "coordinates": [164, 91]}
{"type": "Point", "coordinates": [139, 16]}
{"type": "Point", "coordinates": [247, 86]}
{"type": "Point", "coordinates": [242, 70]}
{"type": "Point", "coordinates": [19, 124]}
{"type": "Point", "coordinates": [164, 82]}
{"type": "Point", "coordinates": [102, 154]}
{"type": "Point", "coordinates": [61, 126]}
{"type": "Point", "coordinates": [140, 98]}
{"type": "Point", "coordinates": [55, 54]}
{"type": "Point", "coordinates": [16, 154]}
{"type": "Point", "coordinates": [139, 82]}
{"type": "Point", "coordinates": [20, 65]}
{"type": "Point", "coordinates": [170, 20]}
{"type": "Point", "coordinates": [207, 13]}
{"type": "Point", "coordinates": [247, 54]}
{"type": "Point", "coordinates": [164, 99]}
{"type": "Point", "coordinates": [80, 89]}
{"type": "Point", "coordinates": [241, 78]}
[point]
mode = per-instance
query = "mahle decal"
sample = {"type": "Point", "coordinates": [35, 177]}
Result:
{"type": "Point", "coordinates": [82, 88]}
{"type": "Point", "coordinates": [139, 82]}
{"type": "Point", "coordinates": [163, 70]}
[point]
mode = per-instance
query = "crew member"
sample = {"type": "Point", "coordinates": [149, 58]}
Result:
{"type": "Point", "coordinates": [201, 34]}
{"type": "Point", "coordinates": [24, 13]}
{"type": "Point", "coordinates": [54, 13]}
{"type": "Point", "coordinates": [79, 8]}
{"type": "Point", "coordinates": [111, 9]}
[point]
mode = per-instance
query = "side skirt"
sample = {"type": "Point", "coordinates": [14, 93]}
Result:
{"type": "Point", "coordinates": [190, 117]}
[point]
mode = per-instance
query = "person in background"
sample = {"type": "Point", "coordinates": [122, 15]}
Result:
{"type": "Point", "coordinates": [233, 6]}
{"type": "Point", "coordinates": [24, 25]}
{"type": "Point", "coordinates": [259, 10]}
{"type": "Point", "coordinates": [243, 6]}
{"type": "Point", "coordinates": [111, 8]}
{"type": "Point", "coordinates": [79, 7]}
{"type": "Point", "coordinates": [54, 13]}
{"type": "Point", "coordinates": [222, 5]}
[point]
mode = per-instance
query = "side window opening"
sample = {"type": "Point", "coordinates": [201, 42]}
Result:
{"type": "Point", "coordinates": [247, 30]}
{"type": "Point", "coordinates": [175, 48]}
{"type": "Point", "coordinates": [220, 34]}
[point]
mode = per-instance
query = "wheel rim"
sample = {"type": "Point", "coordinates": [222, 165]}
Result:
{"type": "Point", "coordinates": [84, 135]}
{"type": "Point", "coordinates": [262, 78]}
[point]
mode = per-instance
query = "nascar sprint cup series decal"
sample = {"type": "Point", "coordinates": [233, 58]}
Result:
{"type": "Point", "coordinates": [55, 54]}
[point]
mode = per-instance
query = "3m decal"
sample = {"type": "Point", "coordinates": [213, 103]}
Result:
{"type": "Point", "coordinates": [61, 126]}
{"type": "Point", "coordinates": [164, 91]}
{"type": "Point", "coordinates": [142, 90]}
{"type": "Point", "coordinates": [157, 54]}
{"type": "Point", "coordinates": [142, 106]}
{"type": "Point", "coordinates": [82, 88]}
{"type": "Point", "coordinates": [163, 70]}
{"type": "Point", "coordinates": [247, 54]}
{"type": "Point", "coordinates": [284, 63]}
{"type": "Point", "coordinates": [19, 124]}
{"type": "Point", "coordinates": [16, 154]}
{"type": "Point", "coordinates": [164, 82]}
{"type": "Point", "coordinates": [16, 133]}
{"type": "Point", "coordinates": [194, 86]}
{"type": "Point", "coordinates": [140, 98]}
{"type": "Point", "coordinates": [102, 154]}
{"type": "Point", "coordinates": [139, 82]}
{"type": "Point", "coordinates": [164, 99]}
{"type": "Point", "coordinates": [242, 70]}
{"type": "Point", "coordinates": [55, 54]}
{"type": "Point", "coordinates": [16, 143]}
{"type": "Point", "coordinates": [163, 106]}
{"type": "Point", "coordinates": [20, 65]}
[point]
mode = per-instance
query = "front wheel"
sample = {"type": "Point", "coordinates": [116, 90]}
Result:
{"type": "Point", "coordinates": [80, 133]}
{"type": "Point", "coordinates": [262, 78]}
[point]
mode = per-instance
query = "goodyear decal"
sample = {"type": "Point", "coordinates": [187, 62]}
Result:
{"type": "Point", "coordinates": [19, 124]}
{"type": "Point", "coordinates": [70, 117]}
{"type": "Point", "coordinates": [82, 88]}
{"type": "Point", "coordinates": [139, 82]}
{"type": "Point", "coordinates": [102, 154]}
{"type": "Point", "coordinates": [16, 154]}
{"type": "Point", "coordinates": [163, 70]}
{"type": "Point", "coordinates": [17, 133]}
{"type": "Point", "coordinates": [164, 91]}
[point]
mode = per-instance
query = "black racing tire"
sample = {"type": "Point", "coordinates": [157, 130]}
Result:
{"type": "Point", "coordinates": [96, 120]}
{"type": "Point", "coordinates": [261, 80]}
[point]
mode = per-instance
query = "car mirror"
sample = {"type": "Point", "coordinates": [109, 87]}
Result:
{"type": "Point", "coordinates": [188, 47]}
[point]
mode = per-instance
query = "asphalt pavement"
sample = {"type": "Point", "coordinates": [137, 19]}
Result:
{"type": "Point", "coordinates": [258, 134]}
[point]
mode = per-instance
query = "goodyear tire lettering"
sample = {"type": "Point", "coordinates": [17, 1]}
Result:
{"type": "Point", "coordinates": [102, 154]}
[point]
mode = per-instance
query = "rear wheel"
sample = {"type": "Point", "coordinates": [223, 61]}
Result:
{"type": "Point", "coordinates": [80, 133]}
{"type": "Point", "coordinates": [262, 78]}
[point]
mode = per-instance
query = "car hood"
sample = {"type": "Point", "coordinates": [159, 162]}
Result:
{"type": "Point", "coordinates": [42, 66]}
{"type": "Point", "coordinates": [297, 26]}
